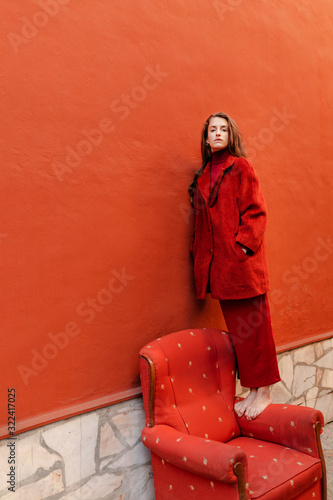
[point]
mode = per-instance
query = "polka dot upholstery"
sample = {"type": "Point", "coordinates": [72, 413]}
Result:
{"type": "Point", "coordinates": [200, 449]}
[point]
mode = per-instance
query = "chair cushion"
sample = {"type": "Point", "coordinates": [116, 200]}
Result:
{"type": "Point", "coordinates": [195, 383]}
{"type": "Point", "coordinates": [276, 471]}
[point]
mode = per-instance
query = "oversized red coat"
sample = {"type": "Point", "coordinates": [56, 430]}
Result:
{"type": "Point", "coordinates": [230, 215]}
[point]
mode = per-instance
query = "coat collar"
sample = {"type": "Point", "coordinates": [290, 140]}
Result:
{"type": "Point", "coordinates": [210, 195]}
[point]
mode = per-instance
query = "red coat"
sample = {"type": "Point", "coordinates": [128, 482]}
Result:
{"type": "Point", "coordinates": [231, 214]}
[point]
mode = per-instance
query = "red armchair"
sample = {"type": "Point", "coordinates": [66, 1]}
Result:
{"type": "Point", "coordinates": [200, 449]}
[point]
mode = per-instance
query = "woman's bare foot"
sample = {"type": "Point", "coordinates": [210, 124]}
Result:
{"type": "Point", "coordinates": [241, 406]}
{"type": "Point", "coordinates": [259, 403]}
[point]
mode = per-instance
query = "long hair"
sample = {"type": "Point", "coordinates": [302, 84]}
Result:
{"type": "Point", "coordinates": [235, 146]}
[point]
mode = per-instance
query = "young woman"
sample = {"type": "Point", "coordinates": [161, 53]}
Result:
{"type": "Point", "coordinates": [230, 255]}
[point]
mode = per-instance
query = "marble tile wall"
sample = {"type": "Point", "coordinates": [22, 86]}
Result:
{"type": "Point", "coordinates": [99, 455]}
{"type": "Point", "coordinates": [94, 456]}
{"type": "Point", "coordinates": [307, 378]}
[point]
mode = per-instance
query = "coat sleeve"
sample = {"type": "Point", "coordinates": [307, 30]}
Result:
{"type": "Point", "coordinates": [252, 207]}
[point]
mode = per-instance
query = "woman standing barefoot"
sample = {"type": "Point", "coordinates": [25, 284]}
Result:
{"type": "Point", "coordinates": [229, 254]}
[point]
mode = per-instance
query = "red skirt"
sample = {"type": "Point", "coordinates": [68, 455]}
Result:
{"type": "Point", "coordinates": [250, 328]}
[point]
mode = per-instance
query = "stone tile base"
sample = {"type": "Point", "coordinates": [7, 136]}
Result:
{"type": "Point", "coordinates": [99, 455]}
{"type": "Point", "coordinates": [306, 378]}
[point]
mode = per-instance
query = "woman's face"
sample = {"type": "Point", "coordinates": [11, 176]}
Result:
{"type": "Point", "coordinates": [217, 133]}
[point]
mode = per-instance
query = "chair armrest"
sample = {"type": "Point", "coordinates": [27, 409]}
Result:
{"type": "Point", "coordinates": [297, 427]}
{"type": "Point", "coordinates": [200, 456]}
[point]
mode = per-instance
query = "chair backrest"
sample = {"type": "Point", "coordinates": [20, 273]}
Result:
{"type": "Point", "coordinates": [188, 383]}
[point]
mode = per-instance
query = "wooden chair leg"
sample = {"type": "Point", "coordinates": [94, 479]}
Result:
{"type": "Point", "coordinates": [239, 472]}
{"type": "Point", "coordinates": [323, 465]}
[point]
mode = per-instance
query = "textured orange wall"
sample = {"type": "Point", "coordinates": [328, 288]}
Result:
{"type": "Point", "coordinates": [102, 107]}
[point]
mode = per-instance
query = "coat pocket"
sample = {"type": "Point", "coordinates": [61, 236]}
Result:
{"type": "Point", "coordinates": [241, 256]}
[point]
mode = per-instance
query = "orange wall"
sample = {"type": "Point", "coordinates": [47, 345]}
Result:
{"type": "Point", "coordinates": [103, 103]}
